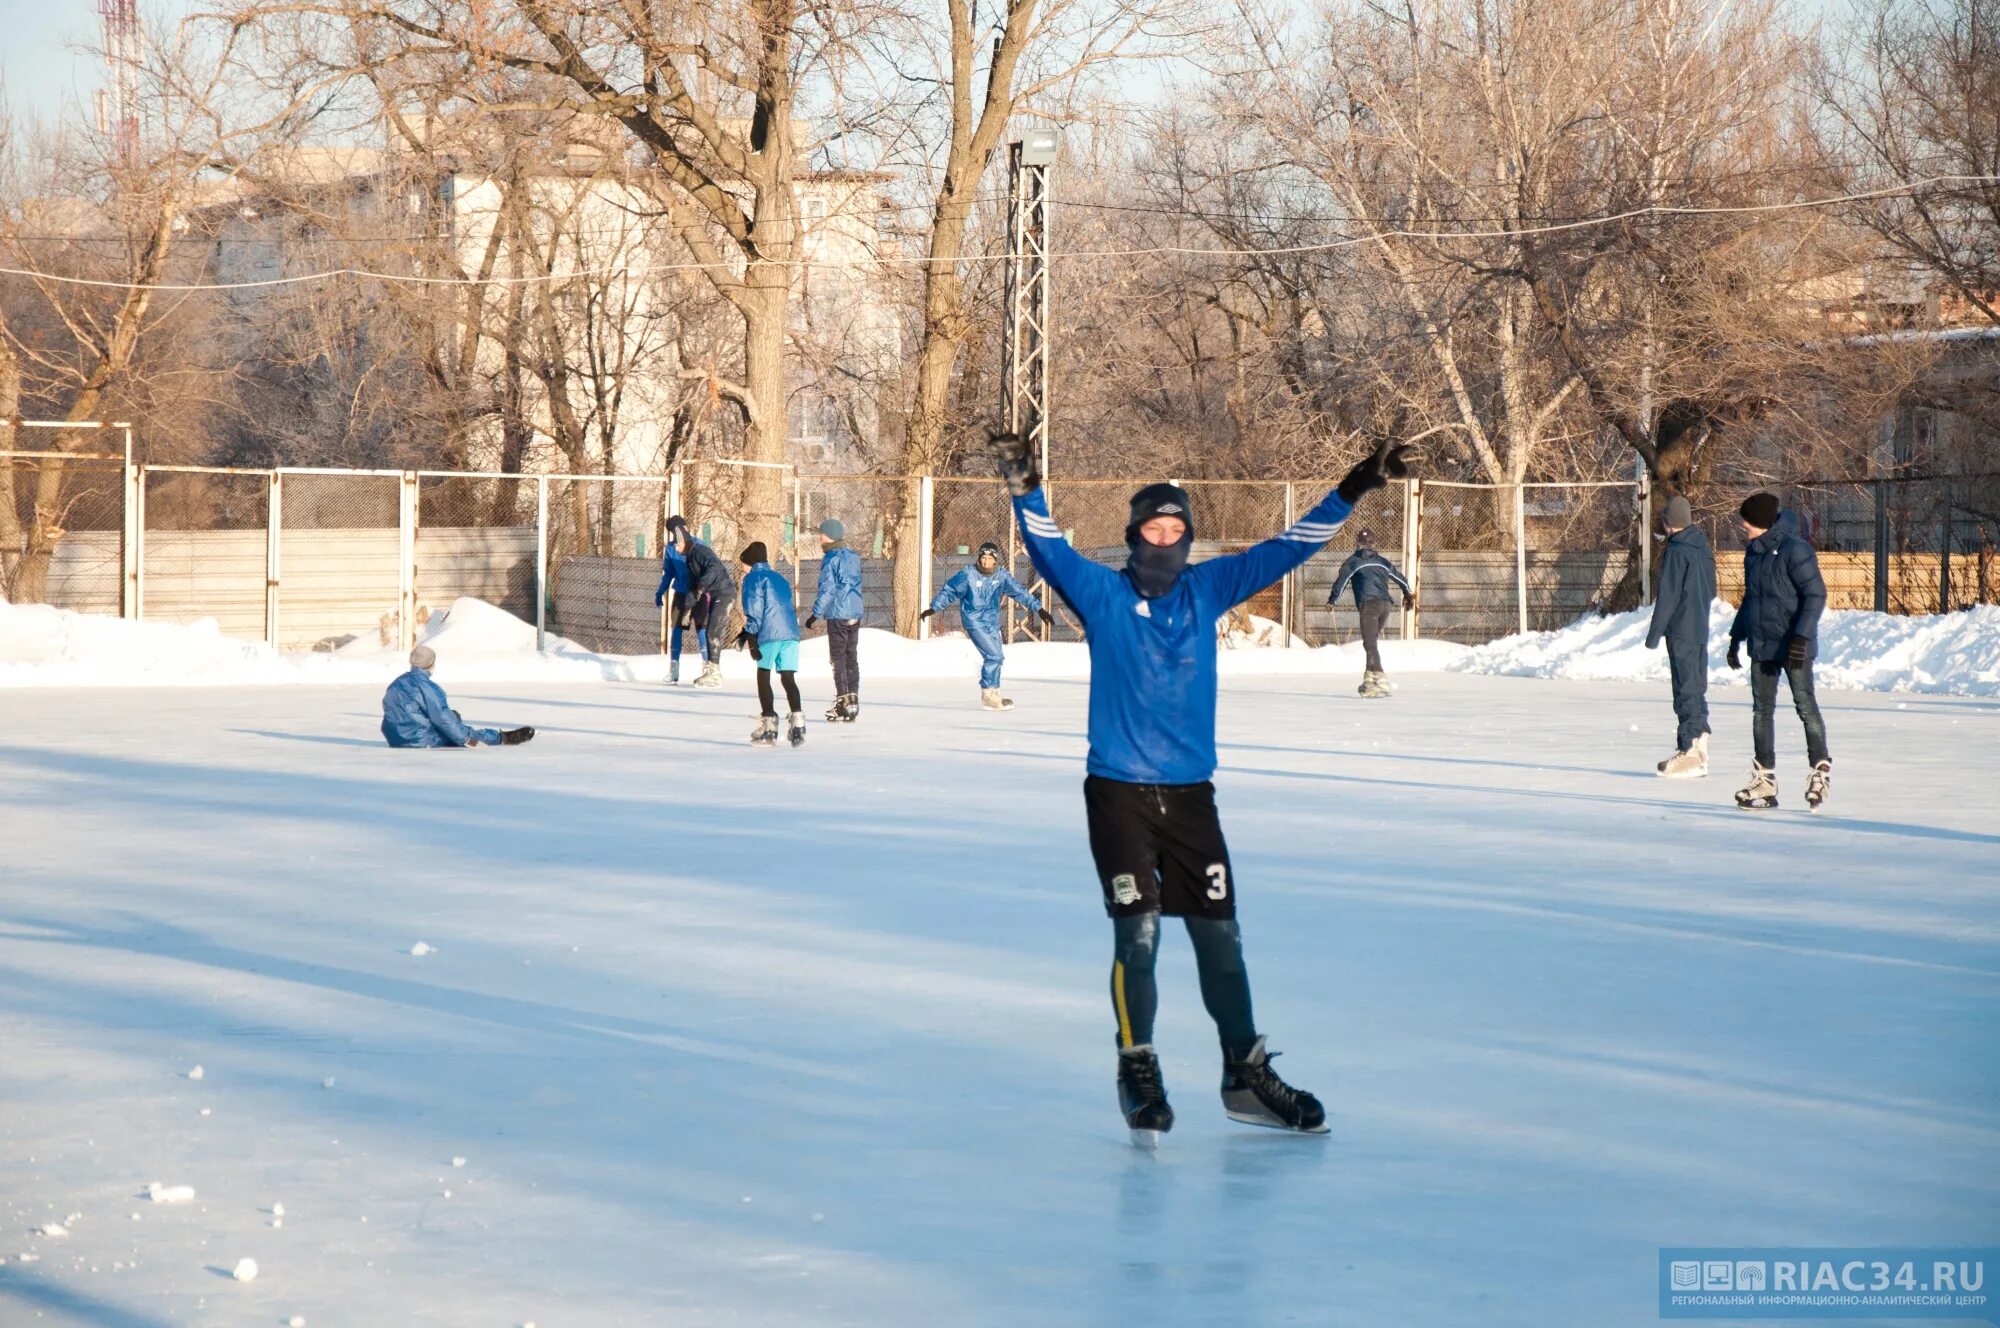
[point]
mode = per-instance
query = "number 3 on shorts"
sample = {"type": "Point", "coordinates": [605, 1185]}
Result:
{"type": "Point", "coordinates": [1218, 880]}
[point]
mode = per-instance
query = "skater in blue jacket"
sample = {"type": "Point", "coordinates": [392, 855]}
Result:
{"type": "Point", "coordinates": [771, 634]}
{"type": "Point", "coordinates": [674, 579]}
{"type": "Point", "coordinates": [838, 601]}
{"type": "Point", "coordinates": [1148, 800]}
{"type": "Point", "coordinates": [415, 713]}
{"type": "Point", "coordinates": [978, 591]}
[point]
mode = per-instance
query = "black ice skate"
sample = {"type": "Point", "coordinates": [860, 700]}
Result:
{"type": "Point", "coordinates": [1253, 1093]}
{"type": "Point", "coordinates": [515, 737]}
{"type": "Point", "coordinates": [1761, 793]}
{"type": "Point", "coordinates": [1142, 1096]}
{"type": "Point", "coordinates": [845, 710]}
{"type": "Point", "coordinates": [1819, 785]}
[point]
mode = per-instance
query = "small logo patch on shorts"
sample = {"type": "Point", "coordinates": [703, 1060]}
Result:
{"type": "Point", "coordinates": [1125, 889]}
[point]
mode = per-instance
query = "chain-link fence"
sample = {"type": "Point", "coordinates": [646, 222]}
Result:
{"type": "Point", "coordinates": [61, 532]}
{"type": "Point", "coordinates": [318, 559]}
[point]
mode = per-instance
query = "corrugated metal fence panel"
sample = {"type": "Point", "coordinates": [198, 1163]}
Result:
{"type": "Point", "coordinates": [84, 572]}
{"type": "Point", "coordinates": [219, 574]}
{"type": "Point", "coordinates": [496, 565]}
{"type": "Point", "coordinates": [335, 583]}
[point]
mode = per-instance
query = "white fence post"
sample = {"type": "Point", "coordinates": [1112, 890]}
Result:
{"type": "Point", "coordinates": [542, 560]}
{"type": "Point", "coordinates": [406, 569]}
{"type": "Point", "coordinates": [1521, 555]}
{"type": "Point", "coordinates": [132, 539]}
{"type": "Point", "coordinates": [1290, 606]}
{"type": "Point", "coordinates": [1413, 566]}
{"type": "Point", "coordinates": [1645, 534]}
{"type": "Point", "coordinates": [926, 519]}
{"type": "Point", "coordinates": [274, 524]}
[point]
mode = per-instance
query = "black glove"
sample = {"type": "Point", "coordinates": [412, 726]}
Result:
{"type": "Point", "coordinates": [748, 641]}
{"type": "Point", "coordinates": [1409, 600]}
{"type": "Point", "coordinates": [1048, 619]}
{"type": "Point", "coordinates": [1797, 653]}
{"type": "Point", "coordinates": [1735, 654]}
{"type": "Point", "coordinates": [925, 614]}
{"type": "Point", "coordinates": [812, 621]}
{"type": "Point", "coordinates": [1390, 461]}
{"type": "Point", "coordinates": [1016, 461]}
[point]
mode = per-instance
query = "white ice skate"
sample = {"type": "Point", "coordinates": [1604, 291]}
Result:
{"type": "Point", "coordinates": [990, 699]}
{"type": "Point", "coordinates": [1689, 764]}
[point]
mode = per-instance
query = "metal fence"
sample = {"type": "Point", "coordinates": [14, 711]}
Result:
{"type": "Point", "coordinates": [318, 559]}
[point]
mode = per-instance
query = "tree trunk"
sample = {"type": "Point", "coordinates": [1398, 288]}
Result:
{"type": "Point", "coordinates": [10, 512]}
{"type": "Point", "coordinates": [765, 308]}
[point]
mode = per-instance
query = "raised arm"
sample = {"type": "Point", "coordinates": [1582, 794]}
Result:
{"type": "Point", "coordinates": [1077, 579]}
{"type": "Point", "coordinates": [1223, 583]}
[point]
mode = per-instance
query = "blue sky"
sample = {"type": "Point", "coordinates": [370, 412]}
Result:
{"type": "Point", "coordinates": [40, 68]}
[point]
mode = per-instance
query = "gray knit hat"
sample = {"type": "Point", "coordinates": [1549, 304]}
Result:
{"type": "Point", "coordinates": [1678, 515]}
{"type": "Point", "coordinates": [832, 529]}
{"type": "Point", "coordinates": [423, 657]}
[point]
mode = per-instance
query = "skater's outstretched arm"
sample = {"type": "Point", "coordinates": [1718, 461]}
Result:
{"type": "Point", "coordinates": [952, 591]}
{"type": "Point", "coordinates": [1347, 571]}
{"type": "Point", "coordinates": [1020, 594]}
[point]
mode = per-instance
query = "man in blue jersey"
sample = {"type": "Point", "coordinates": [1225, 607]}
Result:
{"type": "Point", "coordinates": [1148, 799]}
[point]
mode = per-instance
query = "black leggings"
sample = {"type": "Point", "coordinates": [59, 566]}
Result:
{"type": "Point", "coordinates": [770, 702]}
{"type": "Point", "coordinates": [1218, 957]}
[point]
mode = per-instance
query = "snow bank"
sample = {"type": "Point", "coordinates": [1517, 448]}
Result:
{"type": "Point", "coordinates": [477, 642]}
{"type": "Point", "coordinates": [1956, 654]}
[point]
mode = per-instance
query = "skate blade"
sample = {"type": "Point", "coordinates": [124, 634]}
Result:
{"type": "Point", "coordinates": [1685, 774]}
{"type": "Point", "coordinates": [1245, 1119]}
{"type": "Point", "coordinates": [1149, 1140]}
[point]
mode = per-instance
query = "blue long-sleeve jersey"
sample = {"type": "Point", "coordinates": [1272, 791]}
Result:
{"type": "Point", "coordinates": [839, 596]}
{"type": "Point", "coordinates": [978, 595]}
{"type": "Point", "coordinates": [1152, 661]}
{"type": "Point", "coordinates": [768, 613]}
{"type": "Point", "coordinates": [673, 576]}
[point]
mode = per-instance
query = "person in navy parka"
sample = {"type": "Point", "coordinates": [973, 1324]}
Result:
{"type": "Point", "coordinates": [978, 591]}
{"type": "Point", "coordinates": [415, 713]}
{"type": "Point", "coordinates": [1370, 574]}
{"type": "Point", "coordinates": [1680, 618]}
{"type": "Point", "coordinates": [1149, 801]}
{"type": "Point", "coordinates": [1783, 597]}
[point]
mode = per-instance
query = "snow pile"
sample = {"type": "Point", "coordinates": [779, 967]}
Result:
{"type": "Point", "coordinates": [1957, 654]}
{"type": "Point", "coordinates": [477, 642]}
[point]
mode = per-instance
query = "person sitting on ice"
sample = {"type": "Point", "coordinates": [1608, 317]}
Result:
{"type": "Point", "coordinates": [978, 590]}
{"type": "Point", "coordinates": [416, 714]}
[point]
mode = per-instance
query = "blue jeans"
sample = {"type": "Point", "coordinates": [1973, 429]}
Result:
{"type": "Point", "coordinates": [988, 641]}
{"type": "Point", "coordinates": [1764, 704]}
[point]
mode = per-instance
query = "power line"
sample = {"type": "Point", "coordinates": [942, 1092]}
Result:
{"type": "Point", "coordinates": [1375, 236]}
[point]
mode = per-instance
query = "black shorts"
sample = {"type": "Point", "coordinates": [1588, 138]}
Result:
{"type": "Point", "coordinates": [1159, 849]}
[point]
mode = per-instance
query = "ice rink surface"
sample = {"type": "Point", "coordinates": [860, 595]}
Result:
{"type": "Point", "coordinates": [771, 1038]}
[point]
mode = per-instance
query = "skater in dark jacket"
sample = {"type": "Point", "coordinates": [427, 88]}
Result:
{"type": "Point", "coordinates": [415, 713]}
{"type": "Point", "coordinates": [838, 600]}
{"type": "Point", "coordinates": [1783, 597]}
{"type": "Point", "coordinates": [1370, 574]}
{"type": "Point", "coordinates": [674, 580]}
{"type": "Point", "coordinates": [1148, 800]}
{"type": "Point", "coordinates": [711, 591]}
{"type": "Point", "coordinates": [1680, 618]}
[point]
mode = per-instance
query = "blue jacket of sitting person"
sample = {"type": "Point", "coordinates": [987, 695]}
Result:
{"type": "Point", "coordinates": [416, 714]}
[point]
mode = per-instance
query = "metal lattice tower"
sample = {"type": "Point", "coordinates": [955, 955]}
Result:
{"type": "Point", "coordinates": [118, 103]}
{"type": "Point", "coordinates": [1024, 344]}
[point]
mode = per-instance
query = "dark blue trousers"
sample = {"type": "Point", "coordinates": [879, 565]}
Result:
{"type": "Point", "coordinates": [1688, 661]}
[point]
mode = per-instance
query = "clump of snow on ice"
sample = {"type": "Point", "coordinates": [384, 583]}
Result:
{"type": "Point", "coordinates": [53, 1229]}
{"type": "Point", "coordinates": [245, 1270]}
{"type": "Point", "coordinates": [458, 1161]}
{"type": "Point", "coordinates": [196, 1073]}
{"type": "Point", "coordinates": [296, 1321]}
{"type": "Point", "coordinates": [420, 949]}
{"type": "Point", "coordinates": [27, 1256]}
{"type": "Point", "coordinates": [170, 1194]}
{"type": "Point", "coordinates": [326, 1082]}
{"type": "Point", "coordinates": [277, 1210]}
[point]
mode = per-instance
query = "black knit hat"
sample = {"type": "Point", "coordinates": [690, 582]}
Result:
{"type": "Point", "coordinates": [1159, 500]}
{"type": "Point", "coordinates": [1760, 510]}
{"type": "Point", "coordinates": [989, 547]}
{"type": "Point", "coordinates": [756, 553]}
{"type": "Point", "coordinates": [1364, 538]}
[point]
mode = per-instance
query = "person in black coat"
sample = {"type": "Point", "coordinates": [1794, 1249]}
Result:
{"type": "Point", "coordinates": [711, 590]}
{"type": "Point", "coordinates": [1680, 618]}
{"type": "Point", "coordinates": [1783, 597]}
{"type": "Point", "coordinates": [1370, 574]}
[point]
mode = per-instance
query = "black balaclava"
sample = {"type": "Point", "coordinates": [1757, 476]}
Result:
{"type": "Point", "coordinates": [677, 532]}
{"type": "Point", "coordinates": [988, 548]}
{"type": "Point", "coordinates": [1155, 567]}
